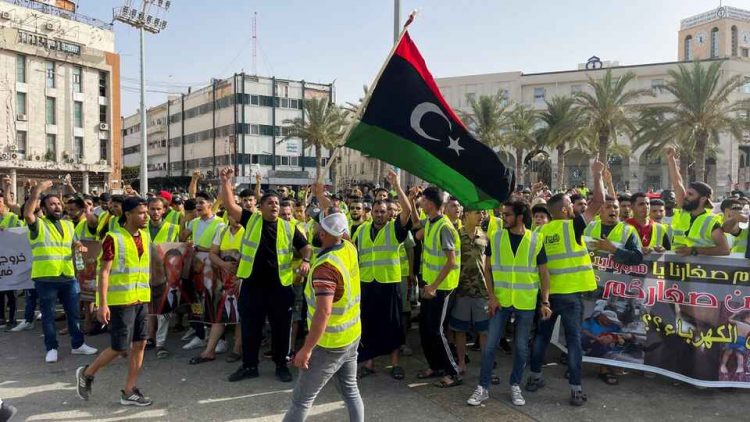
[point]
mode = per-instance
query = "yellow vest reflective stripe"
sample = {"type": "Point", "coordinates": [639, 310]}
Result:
{"type": "Point", "coordinates": [379, 259]}
{"type": "Point", "coordinates": [82, 231]}
{"type": "Point", "coordinates": [619, 234]}
{"type": "Point", "coordinates": [696, 235]}
{"type": "Point", "coordinates": [568, 262]}
{"type": "Point", "coordinates": [658, 232]}
{"type": "Point", "coordinates": [433, 257]}
{"type": "Point", "coordinates": [494, 224]}
{"type": "Point", "coordinates": [129, 276]}
{"type": "Point", "coordinates": [284, 252]}
{"type": "Point", "coordinates": [207, 237]}
{"type": "Point", "coordinates": [110, 220]}
{"type": "Point", "coordinates": [10, 220]}
{"type": "Point", "coordinates": [740, 242]}
{"type": "Point", "coordinates": [515, 277]}
{"type": "Point", "coordinates": [168, 232]}
{"type": "Point", "coordinates": [310, 229]}
{"type": "Point", "coordinates": [229, 242]}
{"type": "Point", "coordinates": [344, 326]}
{"type": "Point", "coordinates": [173, 217]}
{"type": "Point", "coordinates": [404, 259]}
{"type": "Point", "coordinates": [51, 252]}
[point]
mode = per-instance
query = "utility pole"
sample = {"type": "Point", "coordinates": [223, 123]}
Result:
{"type": "Point", "coordinates": [255, 43]}
{"type": "Point", "coordinates": [144, 19]}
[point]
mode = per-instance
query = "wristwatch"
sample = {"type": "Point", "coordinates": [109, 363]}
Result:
{"type": "Point", "coordinates": [306, 260]}
{"type": "Point", "coordinates": [545, 303]}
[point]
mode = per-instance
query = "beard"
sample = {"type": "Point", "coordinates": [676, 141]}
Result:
{"type": "Point", "coordinates": [690, 205]}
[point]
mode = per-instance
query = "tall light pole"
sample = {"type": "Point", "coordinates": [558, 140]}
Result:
{"type": "Point", "coordinates": [145, 15]}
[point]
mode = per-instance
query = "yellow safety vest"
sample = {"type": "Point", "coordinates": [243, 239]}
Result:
{"type": "Point", "coordinates": [658, 232]}
{"type": "Point", "coordinates": [619, 234]}
{"type": "Point", "coordinates": [516, 277]}
{"type": "Point", "coordinates": [207, 237]}
{"type": "Point", "coordinates": [404, 260]}
{"type": "Point", "coordinates": [344, 326]}
{"type": "Point", "coordinates": [129, 276]}
{"type": "Point", "coordinates": [494, 224]}
{"type": "Point", "coordinates": [568, 262]}
{"type": "Point", "coordinates": [82, 231]}
{"type": "Point", "coordinates": [310, 229]}
{"type": "Point", "coordinates": [740, 242]}
{"type": "Point", "coordinates": [230, 242]}
{"type": "Point", "coordinates": [173, 217]}
{"type": "Point", "coordinates": [284, 252]}
{"type": "Point", "coordinates": [379, 259]}
{"type": "Point", "coordinates": [10, 220]}
{"type": "Point", "coordinates": [110, 220]}
{"type": "Point", "coordinates": [696, 235]}
{"type": "Point", "coordinates": [433, 257]}
{"type": "Point", "coordinates": [51, 253]}
{"type": "Point", "coordinates": [168, 232]}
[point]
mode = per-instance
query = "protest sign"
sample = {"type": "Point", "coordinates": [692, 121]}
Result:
{"type": "Point", "coordinates": [15, 260]}
{"type": "Point", "coordinates": [87, 276]}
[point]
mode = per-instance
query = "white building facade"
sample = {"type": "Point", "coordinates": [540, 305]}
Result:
{"type": "Point", "coordinates": [60, 84]}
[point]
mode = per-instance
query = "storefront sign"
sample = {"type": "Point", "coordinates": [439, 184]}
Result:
{"type": "Point", "coordinates": [48, 43]}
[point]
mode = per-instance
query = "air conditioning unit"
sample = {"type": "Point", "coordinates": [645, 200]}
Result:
{"type": "Point", "coordinates": [49, 26]}
{"type": "Point", "coordinates": [103, 126]}
{"type": "Point", "coordinates": [14, 156]}
{"type": "Point", "coordinates": [5, 156]}
{"type": "Point", "coordinates": [21, 117]}
{"type": "Point", "coordinates": [102, 162]}
{"type": "Point", "coordinates": [5, 15]}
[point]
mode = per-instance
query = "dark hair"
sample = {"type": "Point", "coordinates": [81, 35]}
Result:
{"type": "Point", "coordinates": [356, 199]}
{"type": "Point", "coordinates": [521, 208]}
{"type": "Point", "coordinates": [190, 205]}
{"type": "Point", "coordinates": [158, 199]}
{"type": "Point", "coordinates": [380, 202]}
{"type": "Point", "coordinates": [656, 202]}
{"type": "Point", "coordinates": [453, 198]}
{"type": "Point", "coordinates": [77, 202]}
{"type": "Point", "coordinates": [540, 208]}
{"type": "Point", "coordinates": [556, 199]}
{"type": "Point", "coordinates": [267, 195]}
{"type": "Point", "coordinates": [728, 203]}
{"type": "Point", "coordinates": [634, 197]}
{"type": "Point", "coordinates": [287, 203]}
{"type": "Point", "coordinates": [610, 198]}
{"type": "Point", "coordinates": [434, 195]}
{"type": "Point", "coordinates": [299, 203]}
{"type": "Point", "coordinates": [48, 196]}
{"type": "Point", "coordinates": [105, 197]}
{"type": "Point", "coordinates": [87, 196]}
{"type": "Point", "coordinates": [246, 193]}
{"type": "Point", "coordinates": [375, 192]}
{"type": "Point", "coordinates": [624, 197]}
{"type": "Point", "coordinates": [576, 197]}
{"type": "Point", "coordinates": [205, 195]}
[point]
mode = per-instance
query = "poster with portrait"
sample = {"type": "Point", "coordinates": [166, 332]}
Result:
{"type": "Point", "coordinates": [167, 268]}
{"type": "Point", "coordinates": [87, 276]}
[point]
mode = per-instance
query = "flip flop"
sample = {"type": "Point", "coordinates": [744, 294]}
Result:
{"type": "Point", "coordinates": [364, 372]}
{"type": "Point", "coordinates": [397, 373]}
{"type": "Point", "coordinates": [429, 373]}
{"type": "Point", "coordinates": [200, 359]}
{"type": "Point", "coordinates": [162, 353]}
{"type": "Point", "coordinates": [609, 378]}
{"type": "Point", "coordinates": [455, 380]}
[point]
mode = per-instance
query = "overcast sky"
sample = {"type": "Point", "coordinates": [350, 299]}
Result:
{"type": "Point", "coordinates": [346, 41]}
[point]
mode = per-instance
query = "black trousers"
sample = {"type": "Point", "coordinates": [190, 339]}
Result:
{"type": "Point", "coordinates": [432, 315]}
{"type": "Point", "coordinates": [258, 300]}
{"type": "Point", "coordinates": [11, 297]}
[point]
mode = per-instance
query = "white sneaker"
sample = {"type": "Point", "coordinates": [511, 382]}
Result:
{"type": "Point", "coordinates": [480, 394]}
{"type": "Point", "coordinates": [37, 315]}
{"type": "Point", "coordinates": [189, 333]}
{"type": "Point", "coordinates": [23, 326]}
{"type": "Point", "coordinates": [194, 344]}
{"type": "Point", "coordinates": [222, 347]}
{"type": "Point", "coordinates": [51, 356]}
{"type": "Point", "coordinates": [85, 349]}
{"type": "Point", "coordinates": [515, 395]}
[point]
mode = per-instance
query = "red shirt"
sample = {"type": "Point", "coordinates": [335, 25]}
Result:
{"type": "Point", "coordinates": [643, 231]}
{"type": "Point", "coordinates": [108, 247]}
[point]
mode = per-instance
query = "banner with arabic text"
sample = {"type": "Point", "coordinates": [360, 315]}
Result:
{"type": "Point", "coordinates": [15, 260]}
{"type": "Point", "coordinates": [686, 318]}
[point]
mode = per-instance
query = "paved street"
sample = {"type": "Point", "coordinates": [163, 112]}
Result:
{"type": "Point", "coordinates": [45, 392]}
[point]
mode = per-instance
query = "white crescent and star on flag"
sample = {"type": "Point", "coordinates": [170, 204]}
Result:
{"type": "Point", "coordinates": [416, 123]}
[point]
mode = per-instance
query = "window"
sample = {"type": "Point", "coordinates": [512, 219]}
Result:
{"type": "Point", "coordinates": [51, 147]}
{"type": "Point", "coordinates": [254, 100]}
{"type": "Point", "coordinates": [103, 149]}
{"type": "Point", "coordinates": [689, 47]}
{"type": "Point", "coordinates": [655, 85]}
{"type": "Point", "coordinates": [102, 114]}
{"type": "Point", "coordinates": [575, 89]}
{"type": "Point", "coordinates": [20, 103]}
{"type": "Point", "coordinates": [77, 78]}
{"type": "Point", "coordinates": [78, 113]}
{"type": "Point", "coordinates": [78, 147]}
{"type": "Point", "coordinates": [102, 84]}
{"type": "Point", "coordinates": [21, 141]}
{"type": "Point", "coordinates": [21, 68]}
{"type": "Point", "coordinates": [745, 52]}
{"type": "Point", "coordinates": [746, 86]}
{"type": "Point", "coordinates": [539, 95]}
{"type": "Point", "coordinates": [254, 130]}
{"type": "Point", "coordinates": [50, 111]}
{"type": "Point", "coordinates": [50, 66]}
{"type": "Point", "coordinates": [715, 43]}
{"type": "Point", "coordinates": [734, 41]}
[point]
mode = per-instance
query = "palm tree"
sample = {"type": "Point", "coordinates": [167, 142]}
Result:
{"type": "Point", "coordinates": [605, 111]}
{"type": "Point", "coordinates": [322, 127]}
{"type": "Point", "coordinates": [701, 110]}
{"type": "Point", "coordinates": [486, 118]}
{"type": "Point", "coordinates": [563, 130]}
{"type": "Point", "coordinates": [520, 134]}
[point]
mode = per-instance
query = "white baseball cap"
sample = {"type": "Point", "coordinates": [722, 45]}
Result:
{"type": "Point", "coordinates": [335, 224]}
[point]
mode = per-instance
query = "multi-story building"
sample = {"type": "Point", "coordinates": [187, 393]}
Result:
{"type": "Point", "coordinates": [237, 121]}
{"type": "Point", "coordinates": [721, 34]}
{"type": "Point", "coordinates": [59, 80]}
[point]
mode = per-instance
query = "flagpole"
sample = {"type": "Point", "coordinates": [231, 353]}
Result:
{"type": "Point", "coordinates": [368, 95]}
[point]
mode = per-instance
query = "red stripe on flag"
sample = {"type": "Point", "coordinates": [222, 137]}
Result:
{"type": "Point", "coordinates": [409, 52]}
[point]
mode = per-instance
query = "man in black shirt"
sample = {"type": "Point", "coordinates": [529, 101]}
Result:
{"type": "Point", "coordinates": [265, 270]}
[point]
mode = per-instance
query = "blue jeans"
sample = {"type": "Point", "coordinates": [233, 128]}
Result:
{"type": "Point", "coordinates": [570, 308]}
{"type": "Point", "coordinates": [31, 299]}
{"type": "Point", "coordinates": [524, 319]}
{"type": "Point", "coordinates": [67, 291]}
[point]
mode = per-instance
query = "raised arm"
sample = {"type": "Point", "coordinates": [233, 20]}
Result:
{"type": "Point", "coordinates": [193, 187]}
{"type": "Point", "coordinates": [319, 192]}
{"type": "Point", "coordinates": [33, 202]}
{"type": "Point", "coordinates": [674, 175]}
{"type": "Point", "coordinates": [607, 178]}
{"type": "Point", "coordinates": [257, 186]}
{"type": "Point", "coordinates": [597, 197]}
{"type": "Point", "coordinates": [226, 194]}
{"type": "Point", "coordinates": [392, 178]}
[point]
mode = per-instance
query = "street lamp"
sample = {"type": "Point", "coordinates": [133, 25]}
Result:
{"type": "Point", "coordinates": [145, 15]}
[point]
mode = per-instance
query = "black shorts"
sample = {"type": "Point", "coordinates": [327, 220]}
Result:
{"type": "Point", "coordinates": [127, 324]}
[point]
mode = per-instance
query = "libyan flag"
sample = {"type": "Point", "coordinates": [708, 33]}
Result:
{"type": "Point", "coordinates": [406, 122]}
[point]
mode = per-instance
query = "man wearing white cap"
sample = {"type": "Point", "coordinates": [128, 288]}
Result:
{"type": "Point", "coordinates": [332, 294]}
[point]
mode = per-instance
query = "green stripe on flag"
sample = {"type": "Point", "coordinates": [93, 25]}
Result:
{"type": "Point", "coordinates": [405, 154]}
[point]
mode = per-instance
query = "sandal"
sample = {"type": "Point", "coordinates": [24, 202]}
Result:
{"type": "Point", "coordinates": [162, 353]}
{"type": "Point", "coordinates": [609, 378]}
{"type": "Point", "coordinates": [452, 381]}
{"type": "Point", "coordinates": [200, 359]}
{"type": "Point", "coordinates": [364, 372]}
{"type": "Point", "coordinates": [397, 373]}
{"type": "Point", "coordinates": [233, 357]}
{"type": "Point", "coordinates": [429, 373]}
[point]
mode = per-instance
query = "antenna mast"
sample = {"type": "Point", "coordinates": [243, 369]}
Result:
{"type": "Point", "coordinates": [255, 43]}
